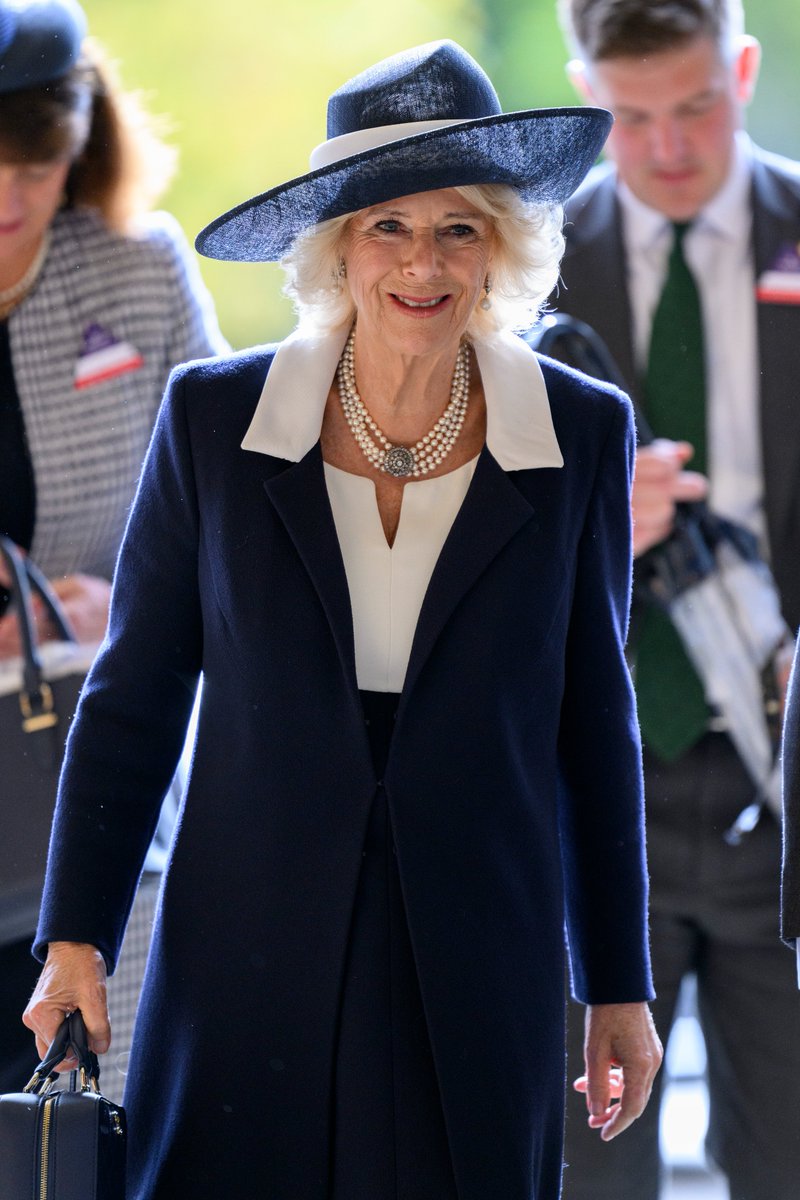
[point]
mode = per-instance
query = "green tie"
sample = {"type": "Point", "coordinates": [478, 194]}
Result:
{"type": "Point", "coordinates": [672, 709]}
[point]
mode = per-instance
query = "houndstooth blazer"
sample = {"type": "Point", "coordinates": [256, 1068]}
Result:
{"type": "Point", "coordinates": [141, 293]}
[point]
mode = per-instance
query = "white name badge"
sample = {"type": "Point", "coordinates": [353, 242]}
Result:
{"type": "Point", "coordinates": [102, 357]}
{"type": "Point", "coordinates": [780, 283]}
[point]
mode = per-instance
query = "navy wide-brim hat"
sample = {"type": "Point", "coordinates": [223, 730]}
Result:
{"type": "Point", "coordinates": [39, 41]}
{"type": "Point", "coordinates": [425, 119]}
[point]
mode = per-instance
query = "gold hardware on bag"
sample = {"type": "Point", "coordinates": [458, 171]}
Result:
{"type": "Point", "coordinates": [46, 718]}
{"type": "Point", "coordinates": [47, 1113]}
{"type": "Point", "coordinates": [30, 1086]}
{"type": "Point", "coordinates": [88, 1082]}
{"type": "Point", "coordinates": [38, 1088]}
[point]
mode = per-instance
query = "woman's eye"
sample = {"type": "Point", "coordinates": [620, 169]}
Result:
{"type": "Point", "coordinates": [388, 226]}
{"type": "Point", "coordinates": [36, 174]}
{"type": "Point", "coordinates": [460, 231]}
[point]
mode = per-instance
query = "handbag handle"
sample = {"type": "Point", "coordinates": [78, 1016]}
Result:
{"type": "Point", "coordinates": [71, 1034]}
{"type": "Point", "coordinates": [35, 699]}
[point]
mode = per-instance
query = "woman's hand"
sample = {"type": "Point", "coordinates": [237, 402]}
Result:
{"type": "Point", "coordinates": [85, 600]}
{"type": "Point", "coordinates": [74, 976]}
{"type": "Point", "coordinates": [659, 484]}
{"type": "Point", "coordinates": [623, 1053]}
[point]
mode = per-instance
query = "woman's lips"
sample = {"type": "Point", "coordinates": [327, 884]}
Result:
{"type": "Point", "coordinates": [421, 305]}
{"type": "Point", "coordinates": [10, 227]}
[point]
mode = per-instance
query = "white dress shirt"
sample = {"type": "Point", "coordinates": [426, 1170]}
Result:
{"type": "Point", "coordinates": [718, 251]}
{"type": "Point", "coordinates": [387, 584]}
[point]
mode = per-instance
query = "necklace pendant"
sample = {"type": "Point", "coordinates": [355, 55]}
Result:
{"type": "Point", "coordinates": [399, 461]}
{"type": "Point", "coordinates": [402, 461]}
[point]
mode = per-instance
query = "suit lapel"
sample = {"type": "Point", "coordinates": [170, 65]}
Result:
{"type": "Point", "coordinates": [595, 251]}
{"type": "Point", "coordinates": [301, 500]}
{"type": "Point", "coordinates": [775, 223]}
{"type": "Point", "coordinates": [492, 512]}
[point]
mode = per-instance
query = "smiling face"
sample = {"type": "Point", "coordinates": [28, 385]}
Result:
{"type": "Point", "coordinates": [416, 268]}
{"type": "Point", "coordinates": [30, 194]}
{"type": "Point", "coordinates": [676, 113]}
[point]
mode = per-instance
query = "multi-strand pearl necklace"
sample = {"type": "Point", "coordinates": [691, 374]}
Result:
{"type": "Point", "coordinates": [400, 461]}
{"type": "Point", "coordinates": [11, 297]}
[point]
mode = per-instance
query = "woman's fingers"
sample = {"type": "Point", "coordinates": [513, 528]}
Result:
{"type": "Point", "coordinates": [623, 1054]}
{"type": "Point", "coordinates": [85, 600]}
{"type": "Point", "coordinates": [615, 1083]}
{"type": "Point", "coordinates": [74, 976]}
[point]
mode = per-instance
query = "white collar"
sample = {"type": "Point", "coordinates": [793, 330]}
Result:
{"type": "Point", "coordinates": [519, 427]}
{"type": "Point", "coordinates": [727, 214]}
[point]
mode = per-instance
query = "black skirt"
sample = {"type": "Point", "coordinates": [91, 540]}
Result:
{"type": "Point", "coordinates": [389, 1137]}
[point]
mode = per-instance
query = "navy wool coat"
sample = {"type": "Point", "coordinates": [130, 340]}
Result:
{"type": "Point", "coordinates": [513, 784]}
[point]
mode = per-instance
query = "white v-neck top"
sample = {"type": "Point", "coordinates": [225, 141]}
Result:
{"type": "Point", "coordinates": [387, 584]}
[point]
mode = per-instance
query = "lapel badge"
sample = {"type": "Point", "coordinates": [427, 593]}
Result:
{"type": "Point", "coordinates": [102, 357]}
{"type": "Point", "coordinates": [780, 283]}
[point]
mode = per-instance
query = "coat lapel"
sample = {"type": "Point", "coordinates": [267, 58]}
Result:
{"type": "Point", "coordinates": [492, 512]}
{"type": "Point", "coordinates": [300, 498]}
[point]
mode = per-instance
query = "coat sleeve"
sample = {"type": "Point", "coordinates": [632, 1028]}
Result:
{"type": "Point", "coordinates": [131, 721]}
{"type": "Point", "coordinates": [602, 803]}
{"type": "Point", "coordinates": [194, 330]}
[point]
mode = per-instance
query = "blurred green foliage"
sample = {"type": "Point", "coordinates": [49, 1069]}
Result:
{"type": "Point", "coordinates": [245, 86]}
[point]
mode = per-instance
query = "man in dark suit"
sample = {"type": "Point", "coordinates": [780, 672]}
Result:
{"type": "Point", "coordinates": [687, 196]}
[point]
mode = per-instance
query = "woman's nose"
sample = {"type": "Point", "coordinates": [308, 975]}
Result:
{"type": "Point", "coordinates": [10, 207]}
{"type": "Point", "coordinates": [423, 257]}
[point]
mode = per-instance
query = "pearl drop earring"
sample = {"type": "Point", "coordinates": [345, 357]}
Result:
{"type": "Point", "coordinates": [486, 303]}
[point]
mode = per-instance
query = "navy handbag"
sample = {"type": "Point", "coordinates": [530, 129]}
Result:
{"type": "Point", "coordinates": [37, 704]}
{"type": "Point", "coordinates": [62, 1144]}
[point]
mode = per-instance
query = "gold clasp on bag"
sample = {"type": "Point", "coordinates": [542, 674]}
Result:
{"type": "Point", "coordinates": [88, 1082]}
{"type": "Point", "coordinates": [46, 717]}
{"type": "Point", "coordinates": [39, 1085]}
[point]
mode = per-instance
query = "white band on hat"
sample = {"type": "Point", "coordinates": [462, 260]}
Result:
{"type": "Point", "coordinates": [348, 144]}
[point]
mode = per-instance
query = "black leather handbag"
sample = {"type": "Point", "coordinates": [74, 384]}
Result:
{"type": "Point", "coordinates": [62, 1144]}
{"type": "Point", "coordinates": [36, 708]}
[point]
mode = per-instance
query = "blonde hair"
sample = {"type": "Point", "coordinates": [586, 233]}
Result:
{"type": "Point", "coordinates": [527, 250]}
{"type": "Point", "coordinates": [120, 163]}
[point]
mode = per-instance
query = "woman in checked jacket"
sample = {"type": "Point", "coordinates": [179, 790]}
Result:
{"type": "Point", "coordinates": [99, 298]}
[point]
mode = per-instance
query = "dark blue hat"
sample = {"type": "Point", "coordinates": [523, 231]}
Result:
{"type": "Point", "coordinates": [425, 119]}
{"type": "Point", "coordinates": [39, 41]}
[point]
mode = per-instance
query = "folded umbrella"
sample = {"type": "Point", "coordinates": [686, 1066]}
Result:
{"type": "Point", "coordinates": [722, 599]}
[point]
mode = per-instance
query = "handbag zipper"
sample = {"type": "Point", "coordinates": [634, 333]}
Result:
{"type": "Point", "coordinates": [47, 1115]}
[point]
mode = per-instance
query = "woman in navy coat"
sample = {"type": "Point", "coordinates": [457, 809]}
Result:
{"type": "Point", "coordinates": [397, 547]}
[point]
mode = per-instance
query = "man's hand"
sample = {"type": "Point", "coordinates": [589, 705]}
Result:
{"type": "Point", "coordinates": [659, 484]}
{"type": "Point", "coordinates": [622, 1053]}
